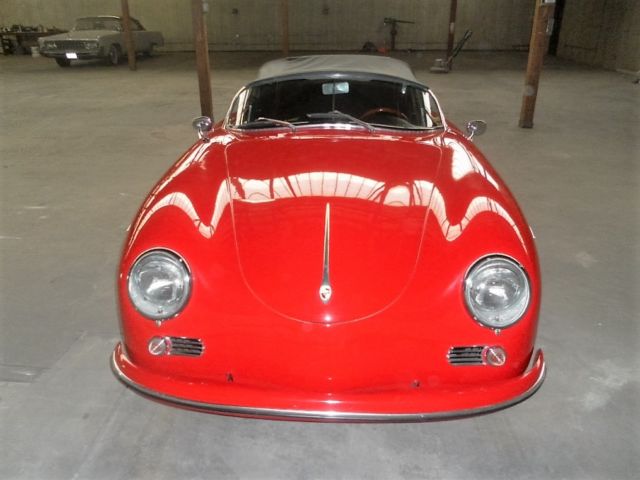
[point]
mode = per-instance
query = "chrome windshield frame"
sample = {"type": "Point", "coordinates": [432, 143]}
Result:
{"type": "Point", "coordinates": [227, 126]}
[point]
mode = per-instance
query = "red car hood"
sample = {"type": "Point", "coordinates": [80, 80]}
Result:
{"type": "Point", "coordinates": [367, 196]}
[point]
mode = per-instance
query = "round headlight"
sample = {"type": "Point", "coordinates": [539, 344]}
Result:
{"type": "Point", "coordinates": [159, 284]}
{"type": "Point", "coordinates": [497, 292]}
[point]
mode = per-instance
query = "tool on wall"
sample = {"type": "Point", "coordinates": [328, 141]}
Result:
{"type": "Point", "coordinates": [393, 22]}
{"type": "Point", "coordinates": [443, 66]}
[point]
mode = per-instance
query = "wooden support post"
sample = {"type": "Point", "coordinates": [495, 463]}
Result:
{"type": "Point", "coordinates": [284, 14]}
{"type": "Point", "coordinates": [128, 36]}
{"type": "Point", "coordinates": [542, 28]}
{"type": "Point", "coordinates": [201, 42]}
{"type": "Point", "coordinates": [452, 31]}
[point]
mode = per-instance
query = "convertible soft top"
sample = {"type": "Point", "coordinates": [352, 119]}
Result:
{"type": "Point", "coordinates": [359, 64]}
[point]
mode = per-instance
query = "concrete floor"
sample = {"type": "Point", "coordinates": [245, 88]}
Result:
{"type": "Point", "coordinates": [79, 149]}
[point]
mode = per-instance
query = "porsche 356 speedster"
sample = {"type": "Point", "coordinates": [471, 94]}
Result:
{"type": "Point", "coordinates": [334, 249]}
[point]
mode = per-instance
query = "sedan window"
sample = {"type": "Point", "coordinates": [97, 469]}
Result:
{"type": "Point", "coordinates": [98, 23]}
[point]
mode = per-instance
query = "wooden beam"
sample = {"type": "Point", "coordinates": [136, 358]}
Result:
{"type": "Point", "coordinates": [452, 31]}
{"type": "Point", "coordinates": [201, 42]}
{"type": "Point", "coordinates": [284, 14]}
{"type": "Point", "coordinates": [542, 28]}
{"type": "Point", "coordinates": [128, 36]}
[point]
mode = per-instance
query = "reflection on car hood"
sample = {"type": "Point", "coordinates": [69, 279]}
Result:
{"type": "Point", "coordinates": [80, 35]}
{"type": "Point", "coordinates": [366, 196]}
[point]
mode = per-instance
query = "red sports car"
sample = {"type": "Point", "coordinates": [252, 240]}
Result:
{"type": "Point", "coordinates": [333, 250]}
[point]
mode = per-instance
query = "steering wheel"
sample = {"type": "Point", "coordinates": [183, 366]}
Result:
{"type": "Point", "coordinates": [385, 110]}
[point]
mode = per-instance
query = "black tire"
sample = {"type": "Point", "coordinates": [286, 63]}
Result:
{"type": "Point", "coordinates": [63, 62]}
{"type": "Point", "coordinates": [149, 53]}
{"type": "Point", "coordinates": [115, 55]}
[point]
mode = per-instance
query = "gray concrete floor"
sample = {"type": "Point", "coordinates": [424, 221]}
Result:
{"type": "Point", "coordinates": [79, 149]}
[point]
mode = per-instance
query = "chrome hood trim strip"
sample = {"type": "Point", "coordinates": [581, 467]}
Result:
{"type": "Point", "coordinates": [326, 291]}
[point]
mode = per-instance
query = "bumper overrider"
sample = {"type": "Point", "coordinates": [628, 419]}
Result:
{"type": "Point", "coordinates": [406, 405]}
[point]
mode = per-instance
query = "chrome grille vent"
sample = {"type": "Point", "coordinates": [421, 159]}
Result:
{"type": "Point", "coordinates": [70, 44]}
{"type": "Point", "coordinates": [190, 347]}
{"type": "Point", "coordinates": [470, 355]}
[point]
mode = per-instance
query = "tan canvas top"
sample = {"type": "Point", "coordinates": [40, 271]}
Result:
{"type": "Point", "coordinates": [360, 64]}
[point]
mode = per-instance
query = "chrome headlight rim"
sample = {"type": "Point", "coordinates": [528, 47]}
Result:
{"type": "Point", "coordinates": [188, 282]}
{"type": "Point", "coordinates": [466, 283]}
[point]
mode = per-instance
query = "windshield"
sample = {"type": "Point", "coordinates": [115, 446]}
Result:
{"type": "Point", "coordinates": [98, 23]}
{"type": "Point", "coordinates": [379, 103]}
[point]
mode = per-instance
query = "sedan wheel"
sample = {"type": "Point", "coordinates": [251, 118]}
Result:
{"type": "Point", "coordinates": [149, 52]}
{"type": "Point", "coordinates": [63, 62]}
{"type": "Point", "coordinates": [114, 55]}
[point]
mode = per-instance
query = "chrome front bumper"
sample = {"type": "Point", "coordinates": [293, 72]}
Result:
{"type": "Point", "coordinates": [532, 379]}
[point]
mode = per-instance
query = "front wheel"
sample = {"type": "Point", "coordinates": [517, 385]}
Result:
{"type": "Point", "coordinates": [114, 55]}
{"type": "Point", "coordinates": [63, 62]}
{"type": "Point", "coordinates": [149, 51]}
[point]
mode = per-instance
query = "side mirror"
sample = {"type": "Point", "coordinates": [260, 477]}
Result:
{"type": "Point", "coordinates": [202, 125]}
{"type": "Point", "coordinates": [476, 127]}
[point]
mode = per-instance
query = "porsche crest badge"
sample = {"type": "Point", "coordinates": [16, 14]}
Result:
{"type": "Point", "coordinates": [325, 292]}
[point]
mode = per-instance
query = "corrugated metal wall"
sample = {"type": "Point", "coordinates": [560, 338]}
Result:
{"type": "Point", "coordinates": [314, 24]}
{"type": "Point", "coordinates": [603, 33]}
{"type": "Point", "coordinates": [599, 32]}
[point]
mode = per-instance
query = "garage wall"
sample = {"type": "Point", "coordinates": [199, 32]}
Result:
{"type": "Point", "coordinates": [315, 24]}
{"type": "Point", "coordinates": [602, 33]}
